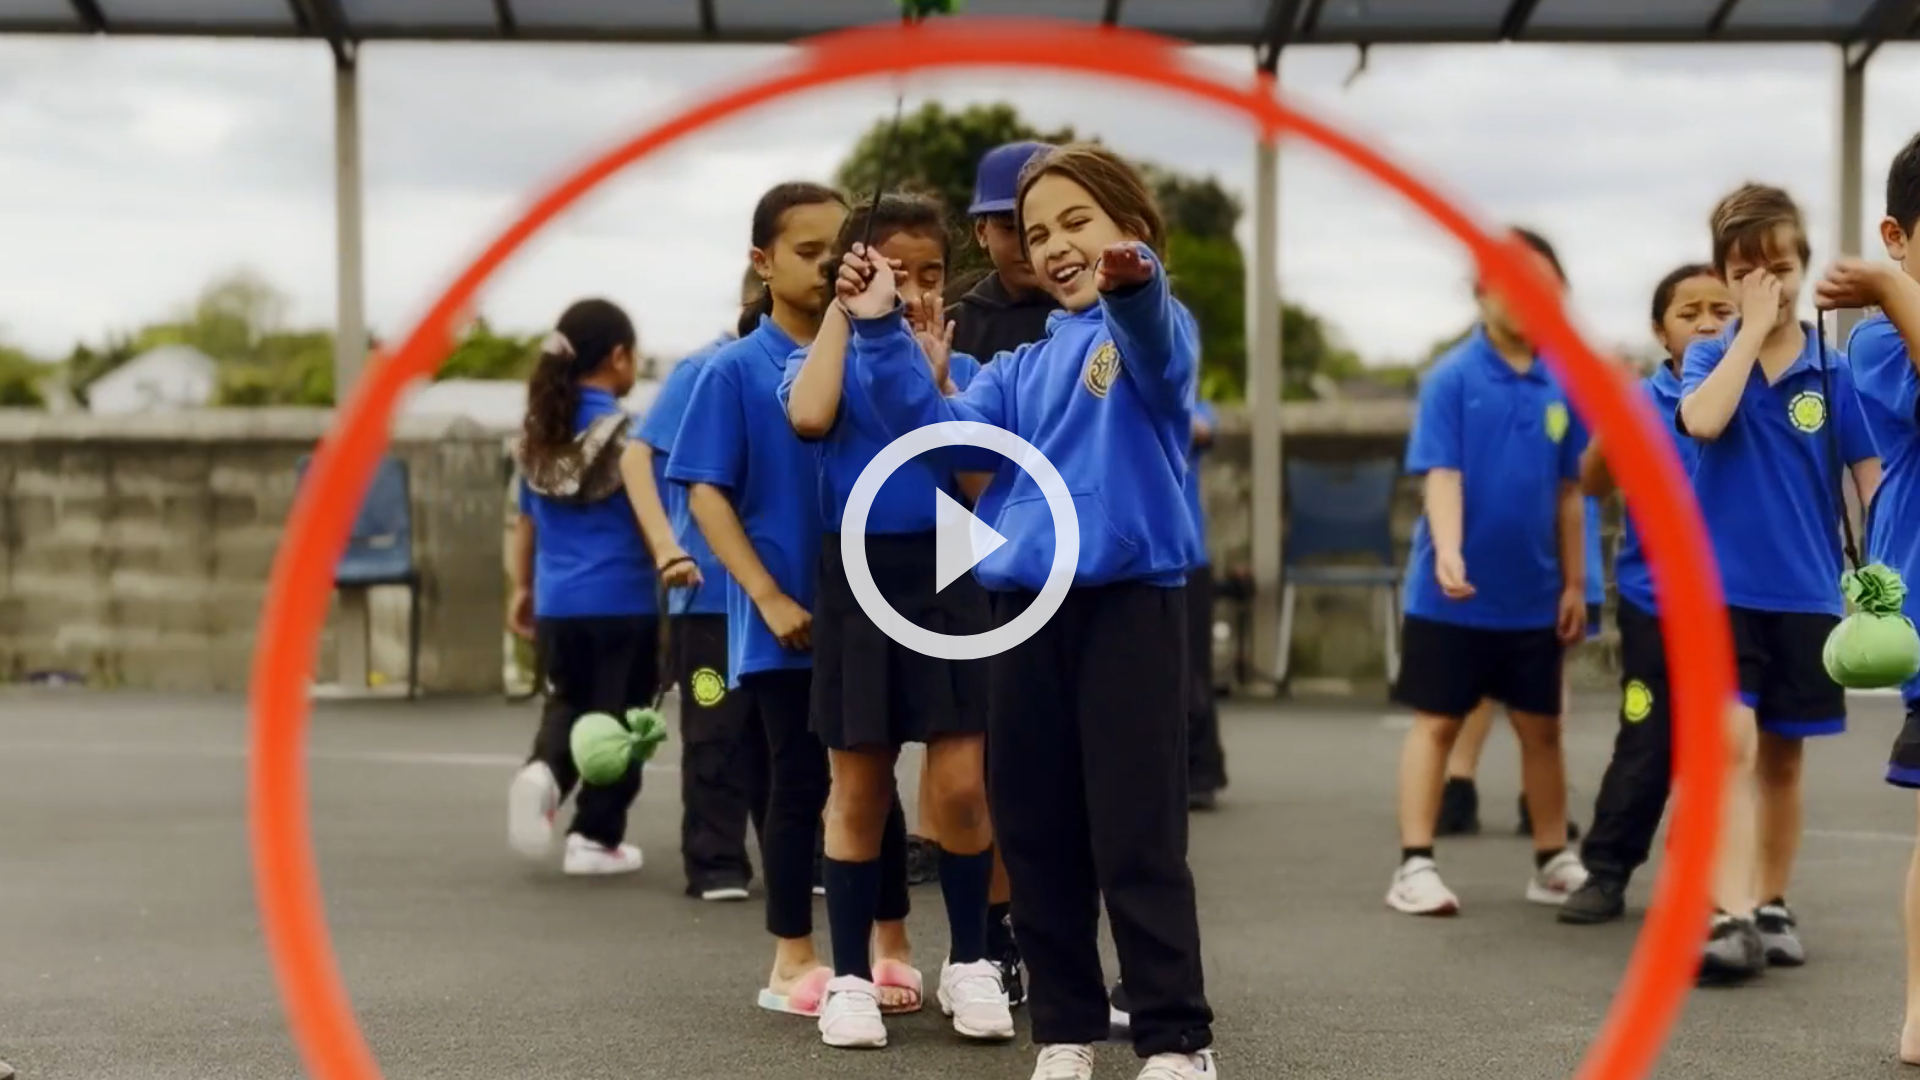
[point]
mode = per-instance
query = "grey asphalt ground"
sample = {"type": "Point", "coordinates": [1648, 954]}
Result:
{"type": "Point", "coordinates": [130, 947]}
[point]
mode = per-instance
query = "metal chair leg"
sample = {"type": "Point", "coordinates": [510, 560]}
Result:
{"type": "Point", "coordinates": [1284, 650]}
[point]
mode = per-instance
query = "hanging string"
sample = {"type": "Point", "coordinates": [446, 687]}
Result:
{"type": "Point", "coordinates": [1830, 420]}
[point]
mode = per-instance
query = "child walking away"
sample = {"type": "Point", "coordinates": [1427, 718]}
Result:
{"type": "Point", "coordinates": [1691, 304]}
{"type": "Point", "coordinates": [750, 484]}
{"type": "Point", "coordinates": [871, 695]}
{"type": "Point", "coordinates": [1087, 727]}
{"type": "Point", "coordinates": [1206, 757]}
{"type": "Point", "coordinates": [1008, 308]}
{"type": "Point", "coordinates": [1773, 408]}
{"type": "Point", "coordinates": [583, 582]}
{"type": "Point", "coordinates": [1882, 352]}
{"type": "Point", "coordinates": [723, 768]}
{"type": "Point", "coordinates": [1496, 588]}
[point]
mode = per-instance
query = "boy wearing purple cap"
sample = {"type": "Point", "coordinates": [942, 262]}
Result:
{"type": "Point", "coordinates": [1007, 308]}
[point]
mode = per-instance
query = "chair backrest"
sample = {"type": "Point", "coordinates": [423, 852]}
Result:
{"type": "Point", "coordinates": [380, 551]}
{"type": "Point", "coordinates": [1340, 509]}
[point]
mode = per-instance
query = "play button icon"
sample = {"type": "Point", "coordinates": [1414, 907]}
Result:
{"type": "Point", "coordinates": [960, 540]}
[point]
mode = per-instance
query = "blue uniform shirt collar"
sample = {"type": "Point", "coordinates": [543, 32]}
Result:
{"type": "Point", "coordinates": [1497, 364]}
{"type": "Point", "coordinates": [1666, 381]}
{"type": "Point", "coordinates": [774, 343]}
{"type": "Point", "coordinates": [1812, 356]}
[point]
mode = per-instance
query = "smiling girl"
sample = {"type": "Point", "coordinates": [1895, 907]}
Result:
{"type": "Point", "coordinates": [1086, 717]}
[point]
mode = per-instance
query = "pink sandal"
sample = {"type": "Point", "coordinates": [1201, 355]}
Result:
{"type": "Point", "coordinates": [894, 975]}
{"type": "Point", "coordinates": [804, 999]}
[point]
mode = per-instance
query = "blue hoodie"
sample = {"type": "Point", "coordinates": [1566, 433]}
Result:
{"type": "Point", "coordinates": [1107, 397]}
{"type": "Point", "coordinates": [658, 430]}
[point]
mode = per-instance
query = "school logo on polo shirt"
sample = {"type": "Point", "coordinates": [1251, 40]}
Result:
{"type": "Point", "coordinates": [1807, 411]}
{"type": "Point", "coordinates": [1557, 421]}
{"type": "Point", "coordinates": [1638, 703]}
{"type": "Point", "coordinates": [707, 687]}
{"type": "Point", "coordinates": [1102, 368]}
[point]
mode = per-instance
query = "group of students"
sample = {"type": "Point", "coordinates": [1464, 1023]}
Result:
{"type": "Point", "coordinates": [1059, 774]}
{"type": "Point", "coordinates": [1769, 421]}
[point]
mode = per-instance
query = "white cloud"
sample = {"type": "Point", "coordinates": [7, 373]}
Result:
{"type": "Point", "coordinates": [135, 170]}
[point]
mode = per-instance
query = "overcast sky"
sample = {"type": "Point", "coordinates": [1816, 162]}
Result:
{"type": "Point", "coordinates": [131, 172]}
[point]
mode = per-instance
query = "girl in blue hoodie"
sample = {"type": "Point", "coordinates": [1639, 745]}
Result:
{"type": "Point", "coordinates": [1087, 737]}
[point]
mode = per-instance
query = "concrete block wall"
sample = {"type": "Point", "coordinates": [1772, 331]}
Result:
{"type": "Point", "coordinates": [136, 551]}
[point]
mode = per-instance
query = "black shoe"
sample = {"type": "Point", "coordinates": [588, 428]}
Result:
{"type": "Point", "coordinates": [1780, 934]}
{"type": "Point", "coordinates": [1734, 953]}
{"type": "Point", "coordinates": [1459, 809]}
{"type": "Point", "coordinates": [1525, 827]}
{"type": "Point", "coordinates": [1005, 952]}
{"type": "Point", "coordinates": [1203, 799]}
{"type": "Point", "coordinates": [1600, 900]}
{"type": "Point", "coordinates": [1119, 1014]}
{"type": "Point", "coordinates": [719, 888]}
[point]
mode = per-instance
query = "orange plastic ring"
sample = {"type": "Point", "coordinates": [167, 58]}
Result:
{"type": "Point", "coordinates": [1699, 646]}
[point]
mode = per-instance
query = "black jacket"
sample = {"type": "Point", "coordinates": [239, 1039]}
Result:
{"type": "Point", "coordinates": [988, 321]}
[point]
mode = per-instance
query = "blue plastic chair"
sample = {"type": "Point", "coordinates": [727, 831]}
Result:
{"type": "Point", "coordinates": [1339, 535]}
{"type": "Point", "coordinates": [380, 550]}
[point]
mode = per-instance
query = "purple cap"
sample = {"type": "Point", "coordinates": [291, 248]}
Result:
{"type": "Point", "coordinates": [997, 183]}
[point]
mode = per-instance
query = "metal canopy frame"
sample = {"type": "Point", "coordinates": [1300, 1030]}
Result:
{"type": "Point", "coordinates": [1316, 22]}
{"type": "Point", "coordinates": [1268, 29]}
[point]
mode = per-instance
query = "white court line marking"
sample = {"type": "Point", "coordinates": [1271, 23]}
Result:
{"type": "Point", "coordinates": [236, 753]}
{"type": "Point", "coordinates": [1866, 835]}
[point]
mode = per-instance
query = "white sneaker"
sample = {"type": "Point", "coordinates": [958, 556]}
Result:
{"type": "Point", "coordinates": [1180, 1067]}
{"type": "Point", "coordinates": [1418, 890]}
{"type": "Point", "coordinates": [1064, 1061]}
{"type": "Point", "coordinates": [532, 800]}
{"type": "Point", "coordinates": [850, 1015]}
{"type": "Point", "coordinates": [1560, 878]}
{"type": "Point", "coordinates": [725, 893]}
{"type": "Point", "coordinates": [976, 999]}
{"type": "Point", "coordinates": [588, 859]}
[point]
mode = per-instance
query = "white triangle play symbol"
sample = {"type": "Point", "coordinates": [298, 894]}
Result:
{"type": "Point", "coordinates": [960, 540]}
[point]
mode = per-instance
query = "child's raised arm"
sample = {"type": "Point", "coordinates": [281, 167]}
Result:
{"type": "Point", "coordinates": [1156, 337]}
{"type": "Point", "coordinates": [813, 384]}
{"type": "Point", "coordinates": [894, 372]}
{"type": "Point", "coordinates": [1713, 381]}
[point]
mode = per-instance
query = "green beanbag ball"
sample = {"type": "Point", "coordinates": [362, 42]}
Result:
{"type": "Point", "coordinates": [605, 747]}
{"type": "Point", "coordinates": [1876, 646]}
{"type": "Point", "coordinates": [920, 9]}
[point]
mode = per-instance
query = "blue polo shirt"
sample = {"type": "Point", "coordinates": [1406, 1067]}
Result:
{"type": "Point", "coordinates": [1630, 571]}
{"type": "Point", "coordinates": [1195, 510]}
{"type": "Point", "coordinates": [589, 558]}
{"type": "Point", "coordinates": [737, 438]}
{"type": "Point", "coordinates": [1890, 396]}
{"type": "Point", "coordinates": [659, 430]}
{"type": "Point", "coordinates": [1769, 486]}
{"type": "Point", "coordinates": [906, 500]}
{"type": "Point", "coordinates": [1516, 442]}
{"type": "Point", "coordinates": [1107, 396]}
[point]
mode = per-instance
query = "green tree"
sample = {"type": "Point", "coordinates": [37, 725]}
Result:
{"type": "Point", "coordinates": [20, 379]}
{"type": "Point", "coordinates": [484, 353]}
{"type": "Point", "coordinates": [937, 151]}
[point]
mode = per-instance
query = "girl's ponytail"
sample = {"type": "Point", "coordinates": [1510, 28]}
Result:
{"type": "Point", "coordinates": [553, 396]}
{"type": "Point", "coordinates": [750, 315]}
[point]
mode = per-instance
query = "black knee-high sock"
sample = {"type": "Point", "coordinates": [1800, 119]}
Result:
{"type": "Point", "coordinates": [853, 894]}
{"type": "Point", "coordinates": [964, 880]}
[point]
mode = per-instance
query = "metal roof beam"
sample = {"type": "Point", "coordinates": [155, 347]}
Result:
{"type": "Point", "coordinates": [503, 15]}
{"type": "Point", "coordinates": [1883, 22]}
{"type": "Point", "coordinates": [1276, 32]}
{"type": "Point", "coordinates": [1514, 23]}
{"type": "Point", "coordinates": [324, 19]}
{"type": "Point", "coordinates": [90, 15]}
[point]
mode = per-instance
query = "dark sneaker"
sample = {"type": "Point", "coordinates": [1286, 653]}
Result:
{"type": "Point", "coordinates": [1734, 952]}
{"type": "Point", "coordinates": [1459, 809]}
{"type": "Point", "coordinates": [1119, 1014]}
{"type": "Point", "coordinates": [1525, 828]}
{"type": "Point", "coordinates": [1600, 900]}
{"type": "Point", "coordinates": [923, 861]}
{"type": "Point", "coordinates": [1004, 951]}
{"type": "Point", "coordinates": [1780, 934]}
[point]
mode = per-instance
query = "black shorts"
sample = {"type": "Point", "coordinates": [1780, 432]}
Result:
{"type": "Point", "coordinates": [1903, 765]}
{"type": "Point", "coordinates": [1782, 676]}
{"type": "Point", "coordinates": [1643, 667]}
{"type": "Point", "coordinates": [1593, 621]}
{"type": "Point", "coordinates": [1446, 670]}
{"type": "Point", "coordinates": [870, 691]}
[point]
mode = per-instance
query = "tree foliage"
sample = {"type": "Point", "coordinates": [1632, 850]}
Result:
{"type": "Point", "coordinates": [937, 151]}
{"type": "Point", "coordinates": [21, 378]}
